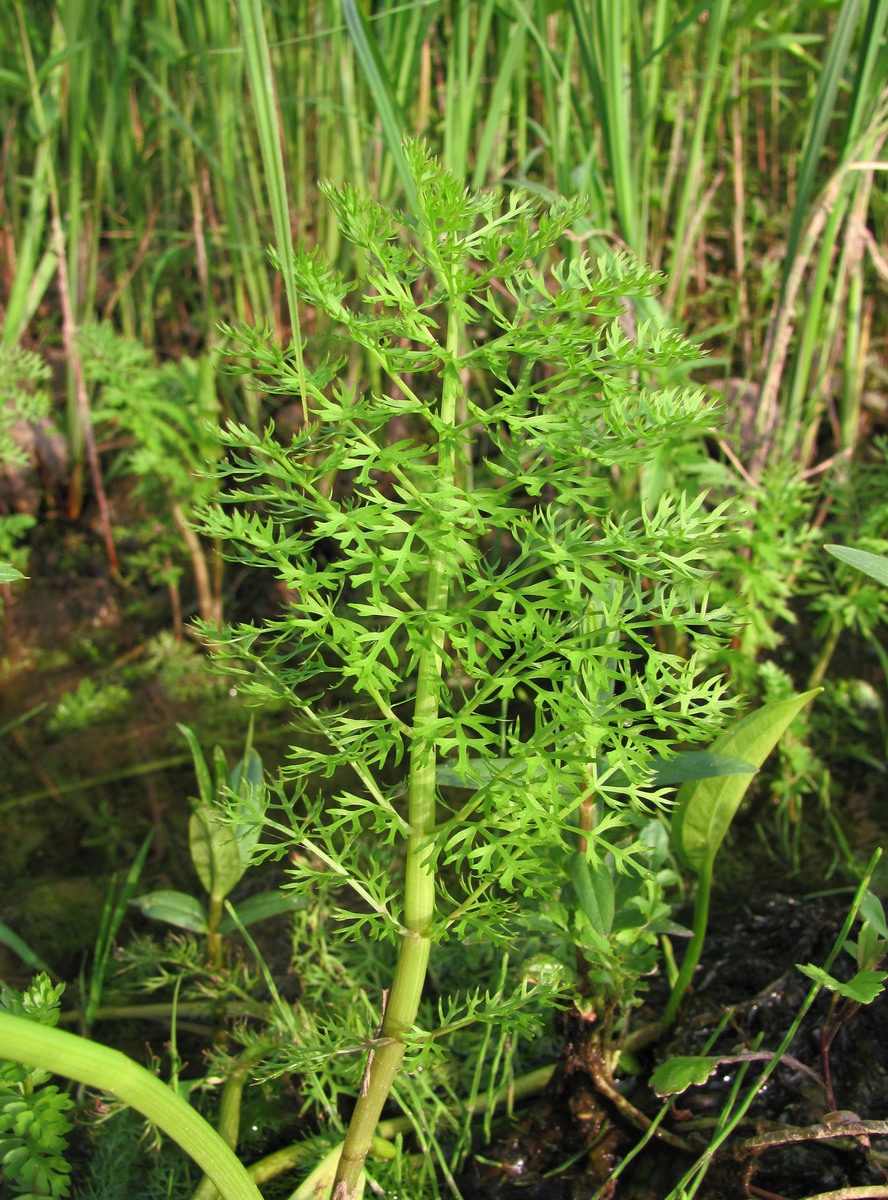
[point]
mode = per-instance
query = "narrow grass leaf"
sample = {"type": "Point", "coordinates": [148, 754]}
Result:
{"type": "Point", "coordinates": [260, 907]}
{"type": "Point", "coordinates": [31, 959]}
{"type": "Point", "coordinates": [377, 75]}
{"type": "Point", "coordinates": [821, 116]}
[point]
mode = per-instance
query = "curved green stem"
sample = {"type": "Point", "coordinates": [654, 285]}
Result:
{"type": "Point", "coordinates": [108, 1070]}
{"type": "Point", "coordinates": [695, 946]}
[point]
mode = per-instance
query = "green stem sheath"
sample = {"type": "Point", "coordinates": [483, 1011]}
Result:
{"type": "Point", "coordinates": [695, 945]}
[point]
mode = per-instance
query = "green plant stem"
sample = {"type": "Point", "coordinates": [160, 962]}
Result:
{"type": "Point", "coordinates": [695, 945]}
{"type": "Point", "coordinates": [101, 1067]}
{"type": "Point", "coordinates": [288, 1157]}
{"type": "Point", "coordinates": [228, 1124]}
{"type": "Point", "coordinates": [419, 884]}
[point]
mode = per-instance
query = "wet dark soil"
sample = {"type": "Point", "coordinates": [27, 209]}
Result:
{"type": "Point", "coordinates": [570, 1145]}
{"type": "Point", "coordinates": [84, 775]}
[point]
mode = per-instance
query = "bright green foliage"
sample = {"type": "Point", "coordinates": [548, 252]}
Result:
{"type": "Point", "coordinates": [33, 1120]}
{"type": "Point", "coordinates": [554, 594]}
{"type": "Point", "coordinates": [465, 586]}
{"type": "Point", "coordinates": [862, 988]}
{"type": "Point", "coordinates": [707, 807]}
{"type": "Point", "coordinates": [23, 397]}
{"type": "Point", "coordinates": [687, 1070]}
{"type": "Point", "coordinates": [166, 415]}
{"type": "Point", "coordinates": [604, 930]}
{"type": "Point", "coordinates": [89, 704]}
{"type": "Point", "coordinates": [162, 409]}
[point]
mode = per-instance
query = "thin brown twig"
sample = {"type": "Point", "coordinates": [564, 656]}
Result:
{"type": "Point", "coordinates": [872, 1192]}
{"type": "Point", "coordinates": [825, 1131]}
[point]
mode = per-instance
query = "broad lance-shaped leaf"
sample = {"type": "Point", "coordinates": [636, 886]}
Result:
{"type": "Point", "coordinates": [871, 910]}
{"type": "Point", "coordinates": [176, 908]}
{"type": "Point", "coordinates": [706, 807]}
{"type": "Point", "coordinates": [665, 772]}
{"type": "Point", "coordinates": [262, 906]}
{"type": "Point", "coordinates": [874, 565]}
{"type": "Point", "coordinates": [248, 786]}
{"type": "Point", "coordinates": [214, 852]}
{"type": "Point", "coordinates": [697, 764]}
{"type": "Point", "coordinates": [204, 782]}
{"type": "Point", "coordinates": [595, 891]}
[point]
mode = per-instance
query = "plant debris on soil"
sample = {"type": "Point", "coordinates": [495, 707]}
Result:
{"type": "Point", "coordinates": [793, 1143]}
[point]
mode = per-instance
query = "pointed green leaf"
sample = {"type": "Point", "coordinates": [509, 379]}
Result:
{"type": "Point", "coordinates": [248, 786]}
{"type": "Point", "coordinates": [214, 852]}
{"type": "Point", "coordinates": [176, 908]}
{"type": "Point", "coordinates": [378, 78]}
{"type": "Point", "coordinates": [480, 771]}
{"type": "Point", "coordinates": [204, 782]}
{"type": "Point", "coordinates": [871, 910]}
{"type": "Point", "coordinates": [705, 808]}
{"type": "Point", "coordinates": [678, 1074]}
{"type": "Point", "coordinates": [8, 573]}
{"type": "Point", "coordinates": [260, 907]}
{"type": "Point", "coordinates": [594, 887]}
{"type": "Point", "coordinates": [874, 565]}
{"type": "Point", "coordinates": [220, 772]}
{"type": "Point", "coordinates": [698, 764]}
{"type": "Point", "coordinates": [8, 937]}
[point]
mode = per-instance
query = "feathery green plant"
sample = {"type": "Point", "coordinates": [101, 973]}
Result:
{"type": "Point", "coordinates": [472, 587]}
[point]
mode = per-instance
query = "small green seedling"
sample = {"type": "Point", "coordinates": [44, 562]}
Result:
{"type": "Point", "coordinates": [223, 834]}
